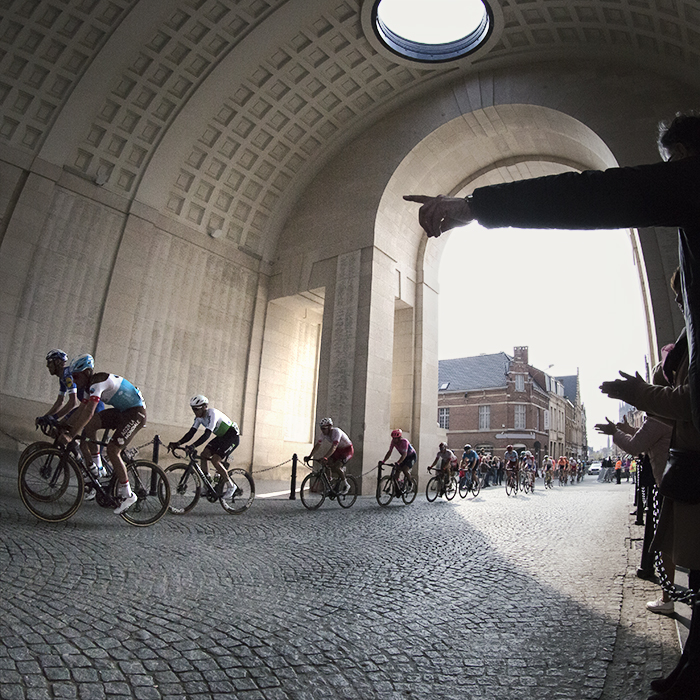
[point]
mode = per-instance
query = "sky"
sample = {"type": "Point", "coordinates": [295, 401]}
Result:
{"type": "Point", "coordinates": [572, 297]}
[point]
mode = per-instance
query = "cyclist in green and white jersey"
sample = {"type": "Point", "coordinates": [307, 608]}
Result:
{"type": "Point", "coordinates": [226, 438]}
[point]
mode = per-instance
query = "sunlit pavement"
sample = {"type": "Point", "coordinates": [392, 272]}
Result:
{"type": "Point", "coordinates": [526, 597]}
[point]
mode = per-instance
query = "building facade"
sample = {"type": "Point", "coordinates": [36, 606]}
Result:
{"type": "Point", "coordinates": [491, 401]}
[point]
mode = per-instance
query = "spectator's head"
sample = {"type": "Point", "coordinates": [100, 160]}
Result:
{"type": "Point", "coordinates": [680, 137]}
{"type": "Point", "coordinates": [677, 287]}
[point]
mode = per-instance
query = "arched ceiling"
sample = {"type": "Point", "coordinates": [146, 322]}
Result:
{"type": "Point", "coordinates": [218, 112]}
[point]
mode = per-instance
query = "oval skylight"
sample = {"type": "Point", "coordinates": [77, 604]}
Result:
{"type": "Point", "coordinates": [432, 30]}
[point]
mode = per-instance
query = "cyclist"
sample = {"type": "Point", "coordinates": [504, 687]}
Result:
{"type": "Point", "coordinates": [528, 462]}
{"type": "Point", "coordinates": [126, 416]}
{"type": "Point", "coordinates": [562, 465]}
{"type": "Point", "coordinates": [512, 462]}
{"type": "Point", "coordinates": [407, 456]}
{"type": "Point", "coordinates": [469, 462]}
{"type": "Point", "coordinates": [226, 439]}
{"type": "Point", "coordinates": [340, 453]}
{"type": "Point", "coordinates": [57, 364]}
{"type": "Point", "coordinates": [444, 460]}
{"type": "Point", "coordinates": [547, 466]}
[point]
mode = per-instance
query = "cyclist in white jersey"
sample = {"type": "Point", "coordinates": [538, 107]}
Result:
{"type": "Point", "coordinates": [341, 450]}
{"type": "Point", "coordinates": [226, 438]}
{"type": "Point", "coordinates": [126, 416]}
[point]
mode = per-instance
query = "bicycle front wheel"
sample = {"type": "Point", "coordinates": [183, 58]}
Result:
{"type": "Point", "coordinates": [51, 485]}
{"type": "Point", "coordinates": [385, 491]}
{"type": "Point", "coordinates": [345, 500]}
{"type": "Point", "coordinates": [152, 488]}
{"type": "Point", "coordinates": [30, 450]}
{"type": "Point", "coordinates": [432, 489]}
{"type": "Point", "coordinates": [476, 485]}
{"type": "Point", "coordinates": [463, 486]}
{"type": "Point", "coordinates": [511, 486]}
{"type": "Point", "coordinates": [184, 487]}
{"type": "Point", "coordinates": [313, 491]}
{"type": "Point", "coordinates": [451, 488]}
{"type": "Point", "coordinates": [244, 494]}
{"type": "Point", "coordinates": [409, 495]}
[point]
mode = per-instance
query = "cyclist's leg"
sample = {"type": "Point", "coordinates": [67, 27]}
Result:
{"type": "Point", "coordinates": [126, 424]}
{"type": "Point", "coordinates": [406, 467]}
{"type": "Point", "coordinates": [337, 469]}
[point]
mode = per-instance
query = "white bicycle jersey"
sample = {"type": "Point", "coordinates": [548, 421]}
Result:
{"type": "Point", "coordinates": [216, 421]}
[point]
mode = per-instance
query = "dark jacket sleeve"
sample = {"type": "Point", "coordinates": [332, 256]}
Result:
{"type": "Point", "coordinates": [661, 194]}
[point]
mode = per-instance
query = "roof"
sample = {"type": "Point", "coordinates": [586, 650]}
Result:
{"type": "Point", "coordinates": [570, 383]}
{"type": "Point", "coordinates": [471, 373]}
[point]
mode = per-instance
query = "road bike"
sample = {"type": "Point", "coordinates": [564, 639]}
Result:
{"type": "Point", "coordinates": [54, 480]}
{"type": "Point", "coordinates": [511, 482]}
{"type": "Point", "coordinates": [470, 480]}
{"type": "Point", "coordinates": [563, 477]}
{"type": "Point", "coordinates": [319, 485]}
{"type": "Point", "coordinates": [527, 480]}
{"type": "Point", "coordinates": [188, 483]}
{"type": "Point", "coordinates": [390, 487]}
{"type": "Point", "coordinates": [444, 483]}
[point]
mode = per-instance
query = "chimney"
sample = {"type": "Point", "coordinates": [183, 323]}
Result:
{"type": "Point", "coordinates": [520, 354]}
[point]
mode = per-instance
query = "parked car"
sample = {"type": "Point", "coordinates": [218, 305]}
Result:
{"type": "Point", "coordinates": [594, 468]}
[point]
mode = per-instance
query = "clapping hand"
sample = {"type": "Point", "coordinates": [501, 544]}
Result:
{"type": "Point", "coordinates": [608, 428]}
{"type": "Point", "coordinates": [624, 389]}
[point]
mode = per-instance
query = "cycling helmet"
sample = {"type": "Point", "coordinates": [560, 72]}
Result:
{"type": "Point", "coordinates": [396, 434]}
{"type": "Point", "coordinates": [442, 446]}
{"type": "Point", "coordinates": [509, 447]}
{"type": "Point", "coordinates": [199, 401]}
{"type": "Point", "coordinates": [326, 422]}
{"type": "Point", "coordinates": [467, 446]}
{"type": "Point", "coordinates": [82, 362]}
{"type": "Point", "coordinates": [56, 354]}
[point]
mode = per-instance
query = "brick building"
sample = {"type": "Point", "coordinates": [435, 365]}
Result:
{"type": "Point", "coordinates": [491, 401]}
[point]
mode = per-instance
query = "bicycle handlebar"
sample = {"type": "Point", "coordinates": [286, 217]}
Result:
{"type": "Point", "coordinates": [182, 451]}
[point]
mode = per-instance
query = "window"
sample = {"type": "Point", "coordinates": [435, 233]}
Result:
{"type": "Point", "coordinates": [546, 419]}
{"type": "Point", "coordinates": [484, 417]}
{"type": "Point", "coordinates": [432, 30]}
{"type": "Point", "coordinates": [520, 412]}
{"type": "Point", "coordinates": [520, 382]}
{"type": "Point", "coordinates": [444, 418]}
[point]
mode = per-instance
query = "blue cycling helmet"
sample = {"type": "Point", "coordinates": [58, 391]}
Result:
{"type": "Point", "coordinates": [81, 363]}
{"type": "Point", "coordinates": [56, 354]}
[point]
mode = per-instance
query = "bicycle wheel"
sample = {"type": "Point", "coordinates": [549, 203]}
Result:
{"type": "Point", "coordinates": [345, 500]}
{"type": "Point", "coordinates": [511, 486]}
{"type": "Point", "coordinates": [385, 491]}
{"type": "Point", "coordinates": [242, 498]}
{"type": "Point", "coordinates": [476, 486]}
{"type": "Point", "coordinates": [432, 489]}
{"type": "Point", "coordinates": [463, 486]}
{"type": "Point", "coordinates": [184, 487]}
{"type": "Point", "coordinates": [313, 491]}
{"type": "Point", "coordinates": [451, 488]}
{"type": "Point", "coordinates": [152, 488]}
{"type": "Point", "coordinates": [30, 450]}
{"type": "Point", "coordinates": [51, 485]}
{"type": "Point", "coordinates": [409, 495]}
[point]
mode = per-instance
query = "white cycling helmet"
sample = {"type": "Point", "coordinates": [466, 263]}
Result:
{"type": "Point", "coordinates": [199, 401]}
{"type": "Point", "coordinates": [82, 362]}
{"type": "Point", "coordinates": [326, 422]}
{"type": "Point", "coordinates": [56, 354]}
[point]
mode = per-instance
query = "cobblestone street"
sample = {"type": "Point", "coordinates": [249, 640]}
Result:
{"type": "Point", "coordinates": [494, 598]}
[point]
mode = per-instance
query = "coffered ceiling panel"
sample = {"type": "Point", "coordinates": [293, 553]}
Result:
{"type": "Point", "coordinates": [279, 110]}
